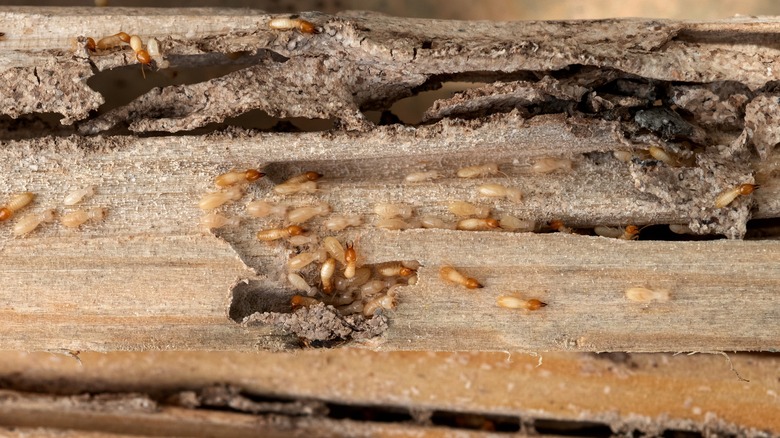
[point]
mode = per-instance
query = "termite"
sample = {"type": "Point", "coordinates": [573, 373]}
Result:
{"type": "Point", "coordinates": [298, 301]}
{"type": "Point", "coordinates": [338, 223]}
{"type": "Point", "coordinates": [350, 256]}
{"type": "Point", "coordinates": [435, 222]}
{"type": "Point", "coordinates": [304, 177]}
{"type": "Point", "coordinates": [680, 229]}
{"type": "Point", "coordinates": [511, 223]}
{"type": "Point", "coordinates": [78, 195]}
{"type": "Point", "coordinates": [661, 155]}
{"type": "Point", "coordinates": [352, 308]}
{"type": "Point", "coordinates": [515, 302]}
{"type": "Point", "coordinates": [499, 191]}
{"type": "Point", "coordinates": [393, 224]}
{"type": "Point", "coordinates": [450, 274]}
{"type": "Point", "coordinates": [302, 25]}
{"type": "Point", "coordinates": [210, 201]}
{"type": "Point", "coordinates": [78, 217]}
{"type": "Point", "coordinates": [478, 171]}
{"type": "Point", "coordinates": [304, 214]}
{"type": "Point", "coordinates": [153, 47]}
{"type": "Point", "coordinates": [362, 276]}
{"type": "Point", "coordinates": [624, 156]}
{"type": "Point", "coordinates": [728, 196]}
{"type": "Point", "coordinates": [111, 41]}
{"type": "Point", "coordinates": [263, 209]}
{"type": "Point", "coordinates": [631, 232]}
{"type": "Point", "coordinates": [279, 233]}
{"type": "Point", "coordinates": [394, 269]}
{"type": "Point", "coordinates": [238, 177]}
{"type": "Point", "coordinates": [372, 288]}
{"type": "Point", "coordinates": [327, 271]}
{"type": "Point", "coordinates": [141, 55]}
{"type": "Point", "coordinates": [302, 240]}
{"type": "Point", "coordinates": [15, 204]}
{"type": "Point", "coordinates": [216, 220]}
{"type": "Point", "coordinates": [385, 301]}
{"type": "Point", "coordinates": [304, 259]}
{"type": "Point", "coordinates": [299, 283]}
{"type": "Point", "coordinates": [416, 177]}
{"type": "Point", "coordinates": [31, 221]}
{"type": "Point", "coordinates": [466, 209]}
{"type": "Point", "coordinates": [386, 211]}
{"type": "Point", "coordinates": [548, 165]}
{"type": "Point", "coordinates": [477, 224]}
{"type": "Point", "coordinates": [560, 227]}
{"type": "Point", "coordinates": [288, 188]}
{"type": "Point", "coordinates": [644, 294]}
{"type": "Point", "coordinates": [334, 248]}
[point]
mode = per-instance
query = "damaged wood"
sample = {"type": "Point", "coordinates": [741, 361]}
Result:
{"type": "Point", "coordinates": [657, 118]}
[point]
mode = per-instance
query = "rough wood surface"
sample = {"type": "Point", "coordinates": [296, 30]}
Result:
{"type": "Point", "coordinates": [147, 278]}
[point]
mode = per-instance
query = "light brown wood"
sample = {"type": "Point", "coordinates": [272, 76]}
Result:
{"type": "Point", "coordinates": [146, 278]}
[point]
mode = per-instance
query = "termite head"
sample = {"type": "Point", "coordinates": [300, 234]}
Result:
{"type": "Point", "coordinates": [492, 223]}
{"type": "Point", "coordinates": [5, 214]}
{"type": "Point", "coordinates": [312, 176]}
{"type": "Point", "coordinates": [350, 255]}
{"type": "Point", "coordinates": [746, 189]}
{"type": "Point", "coordinates": [556, 224]}
{"type": "Point", "coordinates": [308, 27]}
{"type": "Point", "coordinates": [472, 283]}
{"type": "Point", "coordinates": [124, 37]}
{"type": "Point", "coordinates": [295, 230]}
{"type": "Point", "coordinates": [632, 232]}
{"type": "Point", "coordinates": [253, 175]}
{"type": "Point", "coordinates": [534, 304]}
{"type": "Point", "coordinates": [405, 272]}
{"type": "Point", "coordinates": [90, 44]}
{"type": "Point", "coordinates": [143, 57]}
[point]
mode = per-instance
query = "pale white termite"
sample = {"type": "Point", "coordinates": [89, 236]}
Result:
{"type": "Point", "coordinates": [352, 308]}
{"type": "Point", "coordinates": [680, 229]}
{"type": "Point", "coordinates": [210, 201]}
{"type": "Point", "coordinates": [362, 276]}
{"type": "Point", "coordinates": [515, 302]}
{"type": "Point", "coordinates": [304, 214]}
{"type": "Point", "coordinates": [327, 271]}
{"type": "Point", "coordinates": [499, 191]}
{"type": "Point", "coordinates": [467, 209]}
{"type": "Point", "coordinates": [340, 222]}
{"type": "Point", "coordinates": [511, 223]}
{"type": "Point", "coordinates": [238, 177]}
{"type": "Point", "coordinates": [435, 222]}
{"type": "Point", "coordinates": [299, 283]}
{"type": "Point", "coordinates": [385, 302]}
{"type": "Point", "coordinates": [279, 233]}
{"type": "Point", "coordinates": [16, 203]}
{"type": "Point", "coordinates": [153, 47]}
{"type": "Point", "coordinates": [288, 188]}
{"type": "Point", "coordinates": [393, 223]}
{"type": "Point", "coordinates": [372, 288]}
{"type": "Point", "coordinates": [287, 23]}
{"type": "Point", "coordinates": [478, 171]}
{"type": "Point", "coordinates": [644, 294]}
{"type": "Point", "coordinates": [478, 224]}
{"type": "Point", "coordinates": [728, 196]}
{"type": "Point", "coordinates": [350, 256]}
{"type": "Point", "coordinates": [631, 232]}
{"type": "Point", "coordinates": [300, 261]}
{"type": "Point", "coordinates": [624, 156]}
{"type": "Point", "coordinates": [302, 239]}
{"type": "Point", "coordinates": [74, 219]}
{"type": "Point", "coordinates": [452, 275]}
{"type": "Point", "coordinates": [416, 177]}
{"type": "Point", "coordinates": [264, 209]}
{"type": "Point", "coordinates": [216, 220]}
{"type": "Point", "coordinates": [78, 195]}
{"type": "Point", "coordinates": [549, 165]}
{"type": "Point", "coordinates": [661, 155]}
{"type": "Point", "coordinates": [334, 248]}
{"type": "Point", "coordinates": [31, 221]}
{"type": "Point", "coordinates": [386, 210]}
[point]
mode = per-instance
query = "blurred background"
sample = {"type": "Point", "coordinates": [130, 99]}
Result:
{"type": "Point", "coordinates": [470, 10]}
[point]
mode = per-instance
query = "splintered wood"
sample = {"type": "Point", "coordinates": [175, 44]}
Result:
{"type": "Point", "coordinates": [542, 185]}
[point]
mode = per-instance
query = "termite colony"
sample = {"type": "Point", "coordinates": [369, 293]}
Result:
{"type": "Point", "coordinates": [320, 268]}
{"type": "Point", "coordinates": [27, 223]}
{"type": "Point", "coordinates": [144, 54]}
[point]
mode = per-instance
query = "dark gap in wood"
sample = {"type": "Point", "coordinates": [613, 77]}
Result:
{"type": "Point", "coordinates": [572, 428]}
{"type": "Point", "coordinates": [474, 421]}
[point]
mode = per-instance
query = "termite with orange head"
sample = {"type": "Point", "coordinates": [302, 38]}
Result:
{"type": "Point", "coordinates": [272, 234]}
{"type": "Point", "coordinates": [549, 165]}
{"type": "Point", "coordinates": [499, 191]}
{"type": "Point", "coordinates": [728, 196]}
{"type": "Point", "coordinates": [298, 301]}
{"type": "Point", "coordinates": [416, 177]}
{"type": "Point", "coordinates": [238, 177]}
{"type": "Point", "coordinates": [31, 221]}
{"type": "Point", "coordinates": [340, 222]}
{"type": "Point", "coordinates": [141, 55]}
{"type": "Point", "coordinates": [327, 270]}
{"type": "Point", "coordinates": [264, 209]}
{"type": "Point", "coordinates": [292, 23]}
{"type": "Point", "coordinates": [215, 220]}
{"type": "Point", "coordinates": [478, 171]}
{"type": "Point", "coordinates": [394, 269]}
{"type": "Point", "coordinates": [304, 177]}
{"type": "Point", "coordinates": [15, 204]}
{"type": "Point", "coordinates": [644, 294]}
{"type": "Point", "coordinates": [451, 275]}
{"type": "Point", "coordinates": [477, 224]}
{"type": "Point", "coordinates": [631, 232]}
{"type": "Point", "coordinates": [213, 200]}
{"type": "Point", "coordinates": [304, 214]}
{"type": "Point", "coordinates": [76, 218]}
{"type": "Point", "coordinates": [515, 302]}
{"type": "Point", "coordinates": [111, 41]}
{"type": "Point", "coordinates": [350, 256]}
{"type": "Point", "coordinates": [560, 227]}
{"type": "Point", "coordinates": [467, 209]}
